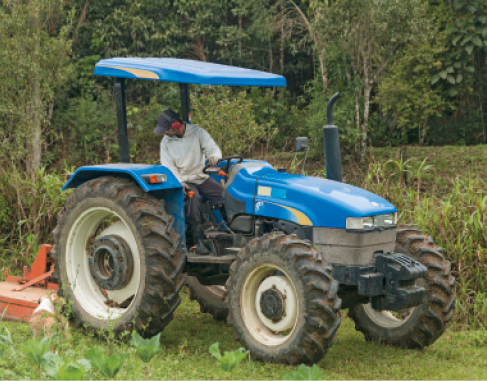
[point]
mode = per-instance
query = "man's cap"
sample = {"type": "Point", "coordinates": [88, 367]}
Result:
{"type": "Point", "coordinates": [163, 124]}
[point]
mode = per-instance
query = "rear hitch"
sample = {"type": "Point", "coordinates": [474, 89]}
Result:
{"type": "Point", "coordinates": [390, 283]}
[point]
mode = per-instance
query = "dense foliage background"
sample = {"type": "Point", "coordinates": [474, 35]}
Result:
{"type": "Point", "coordinates": [409, 71]}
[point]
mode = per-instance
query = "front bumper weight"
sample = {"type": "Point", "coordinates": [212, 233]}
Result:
{"type": "Point", "coordinates": [401, 273]}
{"type": "Point", "coordinates": [390, 283]}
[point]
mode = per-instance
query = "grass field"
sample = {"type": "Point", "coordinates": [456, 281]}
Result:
{"type": "Point", "coordinates": [185, 343]}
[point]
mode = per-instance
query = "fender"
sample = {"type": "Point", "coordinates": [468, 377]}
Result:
{"type": "Point", "coordinates": [125, 170]}
{"type": "Point", "coordinates": [170, 190]}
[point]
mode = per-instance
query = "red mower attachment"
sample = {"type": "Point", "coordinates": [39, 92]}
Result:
{"type": "Point", "coordinates": [19, 296]}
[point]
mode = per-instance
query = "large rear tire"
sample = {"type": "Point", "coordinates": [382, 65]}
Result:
{"type": "Point", "coordinates": [283, 300]}
{"type": "Point", "coordinates": [116, 212]}
{"type": "Point", "coordinates": [419, 326]}
{"type": "Point", "coordinates": [212, 299]}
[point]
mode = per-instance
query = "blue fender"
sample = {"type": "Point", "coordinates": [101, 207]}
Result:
{"type": "Point", "coordinates": [170, 190]}
{"type": "Point", "coordinates": [125, 170]}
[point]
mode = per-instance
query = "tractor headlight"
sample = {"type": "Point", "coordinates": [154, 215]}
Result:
{"type": "Point", "coordinates": [390, 219]}
{"type": "Point", "coordinates": [368, 223]}
{"type": "Point", "coordinates": [360, 223]}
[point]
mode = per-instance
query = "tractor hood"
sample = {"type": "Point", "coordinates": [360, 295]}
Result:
{"type": "Point", "coordinates": [313, 201]}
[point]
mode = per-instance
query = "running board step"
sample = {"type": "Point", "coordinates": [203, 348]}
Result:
{"type": "Point", "coordinates": [210, 259]}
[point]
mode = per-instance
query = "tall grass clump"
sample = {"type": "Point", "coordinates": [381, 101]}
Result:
{"type": "Point", "coordinates": [28, 210]}
{"type": "Point", "coordinates": [457, 221]}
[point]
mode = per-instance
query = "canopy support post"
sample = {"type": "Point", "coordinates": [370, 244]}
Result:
{"type": "Point", "coordinates": [123, 139]}
{"type": "Point", "coordinates": [185, 103]}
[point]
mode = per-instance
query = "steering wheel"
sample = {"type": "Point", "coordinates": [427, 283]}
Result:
{"type": "Point", "coordinates": [210, 170]}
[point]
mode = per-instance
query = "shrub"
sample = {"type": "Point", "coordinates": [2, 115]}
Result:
{"type": "Point", "coordinates": [229, 119]}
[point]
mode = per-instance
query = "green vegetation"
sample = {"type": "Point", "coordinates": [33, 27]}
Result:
{"type": "Point", "coordinates": [184, 354]}
{"type": "Point", "coordinates": [230, 360]}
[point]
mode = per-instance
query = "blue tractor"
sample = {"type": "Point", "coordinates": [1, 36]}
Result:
{"type": "Point", "coordinates": [287, 254]}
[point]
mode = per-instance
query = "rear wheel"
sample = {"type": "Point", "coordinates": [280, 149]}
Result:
{"type": "Point", "coordinates": [118, 259]}
{"type": "Point", "coordinates": [422, 325]}
{"type": "Point", "coordinates": [283, 300]}
{"type": "Point", "coordinates": [210, 298]}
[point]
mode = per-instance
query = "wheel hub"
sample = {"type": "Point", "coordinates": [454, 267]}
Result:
{"type": "Point", "coordinates": [272, 304]}
{"type": "Point", "coordinates": [111, 262]}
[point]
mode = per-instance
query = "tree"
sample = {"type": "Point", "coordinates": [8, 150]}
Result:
{"type": "Point", "coordinates": [372, 33]}
{"type": "Point", "coordinates": [406, 91]}
{"type": "Point", "coordinates": [34, 62]}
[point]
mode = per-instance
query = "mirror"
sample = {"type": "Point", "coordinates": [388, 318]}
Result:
{"type": "Point", "coordinates": [301, 144]}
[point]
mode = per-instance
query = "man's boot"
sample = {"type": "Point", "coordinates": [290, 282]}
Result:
{"type": "Point", "coordinates": [198, 240]}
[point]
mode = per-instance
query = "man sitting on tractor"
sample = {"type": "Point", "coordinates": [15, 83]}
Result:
{"type": "Point", "coordinates": [183, 151]}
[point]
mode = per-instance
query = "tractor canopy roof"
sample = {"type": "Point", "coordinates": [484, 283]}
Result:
{"type": "Point", "coordinates": [186, 71]}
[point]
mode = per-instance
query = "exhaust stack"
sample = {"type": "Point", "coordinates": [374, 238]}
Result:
{"type": "Point", "coordinates": [331, 144]}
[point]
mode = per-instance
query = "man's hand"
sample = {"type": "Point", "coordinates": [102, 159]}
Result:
{"type": "Point", "coordinates": [186, 188]}
{"type": "Point", "coordinates": [213, 160]}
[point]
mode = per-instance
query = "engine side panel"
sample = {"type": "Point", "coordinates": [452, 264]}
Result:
{"type": "Point", "coordinates": [312, 201]}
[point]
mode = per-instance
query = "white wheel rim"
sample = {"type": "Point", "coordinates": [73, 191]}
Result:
{"type": "Point", "coordinates": [385, 318]}
{"type": "Point", "coordinates": [85, 290]}
{"type": "Point", "coordinates": [260, 327]}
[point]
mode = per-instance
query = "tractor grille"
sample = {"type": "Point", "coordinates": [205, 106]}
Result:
{"type": "Point", "coordinates": [351, 248]}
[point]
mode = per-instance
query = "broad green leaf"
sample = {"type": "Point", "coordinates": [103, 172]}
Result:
{"type": "Point", "coordinates": [451, 29]}
{"type": "Point", "coordinates": [465, 40]}
{"type": "Point", "coordinates": [136, 339]}
{"type": "Point", "coordinates": [457, 65]}
{"type": "Point", "coordinates": [435, 79]}
{"type": "Point", "coordinates": [455, 39]}
{"type": "Point", "coordinates": [107, 365]}
{"type": "Point", "coordinates": [450, 69]}
{"type": "Point", "coordinates": [471, 69]}
{"type": "Point", "coordinates": [113, 364]}
{"type": "Point", "coordinates": [477, 41]}
{"type": "Point", "coordinates": [146, 348]}
{"type": "Point", "coordinates": [459, 78]}
{"type": "Point", "coordinates": [230, 360]}
{"type": "Point", "coordinates": [5, 338]}
{"type": "Point", "coordinates": [215, 351]}
{"type": "Point", "coordinates": [71, 371]}
{"type": "Point", "coordinates": [469, 48]}
{"type": "Point", "coordinates": [458, 4]}
{"type": "Point", "coordinates": [452, 91]}
{"type": "Point", "coordinates": [86, 364]}
{"type": "Point", "coordinates": [483, 19]}
{"type": "Point", "coordinates": [304, 373]}
{"type": "Point", "coordinates": [34, 350]}
{"type": "Point", "coordinates": [95, 356]}
{"type": "Point", "coordinates": [443, 74]}
{"type": "Point", "coordinates": [51, 363]}
{"type": "Point", "coordinates": [451, 79]}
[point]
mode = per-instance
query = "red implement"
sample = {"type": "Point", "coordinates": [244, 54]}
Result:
{"type": "Point", "coordinates": [17, 303]}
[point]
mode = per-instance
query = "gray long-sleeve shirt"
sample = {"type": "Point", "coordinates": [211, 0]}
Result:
{"type": "Point", "coordinates": [185, 156]}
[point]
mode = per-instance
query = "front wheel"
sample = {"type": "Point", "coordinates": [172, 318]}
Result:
{"type": "Point", "coordinates": [118, 258]}
{"type": "Point", "coordinates": [283, 300]}
{"type": "Point", "coordinates": [422, 325]}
